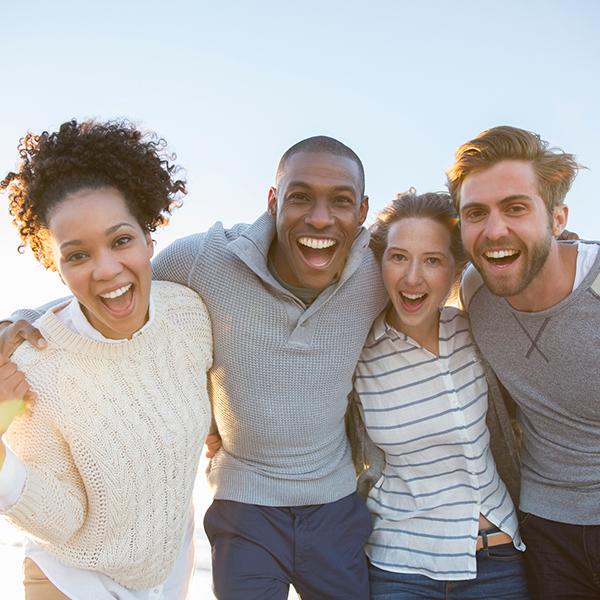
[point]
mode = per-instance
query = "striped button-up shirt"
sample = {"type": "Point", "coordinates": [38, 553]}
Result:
{"type": "Point", "coordinates": [427, 414]}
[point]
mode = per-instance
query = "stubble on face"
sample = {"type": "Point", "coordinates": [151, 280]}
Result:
{"type": "Point", "coordinates": [534, 256]}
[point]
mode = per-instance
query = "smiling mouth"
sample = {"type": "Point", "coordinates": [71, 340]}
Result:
{"type": "Point", "coordinates": [118, 301]}
{"type": "Point", "coordinates": [501, 258]}
{"type": "Point", "coordinates": [413, 301]}
{"type": "Point", "coordinates": [317, 252]}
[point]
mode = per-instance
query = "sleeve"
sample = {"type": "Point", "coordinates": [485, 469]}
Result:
{"type": "Point", "coordinates": [12, 480]}
{"type": "Point", "coordinates": [176, 262]}
{"type": "Point", "coordinates": [32, 314]}
{"type": "Point", "coordinates": [505, 435]}
{"type": "Point", "coordinates": [470, 283]}
{"type": "Point", "coordinates": [53, 503]}
{"type": "Point", "coordinates": [369, 460]}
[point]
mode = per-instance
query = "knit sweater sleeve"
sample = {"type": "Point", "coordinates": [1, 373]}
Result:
{"type": "Point", "coordinates": [176, 262]}
{"type": "Point", "coordinates": [52, 505]}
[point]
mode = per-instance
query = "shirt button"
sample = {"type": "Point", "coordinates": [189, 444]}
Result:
{"type": "Point", "coordinates": [465, 439]}
{"type": "Point", "coordinates": [473, 472]}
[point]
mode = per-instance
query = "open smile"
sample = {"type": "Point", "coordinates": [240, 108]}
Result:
{"type": "Point", "coordinates": [120, 301]}
{"type": "Point", "coordinates": [412, 302]}
{"type": "Point", "coordinates": [317, 252]}
{"type": "Point", "coordinates": [501, 258]}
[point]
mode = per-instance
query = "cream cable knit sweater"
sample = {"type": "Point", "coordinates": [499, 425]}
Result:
{"type": "Point", "coordinates": [113, 443]}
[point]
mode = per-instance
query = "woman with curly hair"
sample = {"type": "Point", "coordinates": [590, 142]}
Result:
{"type": "Point", "coordinates": [100, 473]}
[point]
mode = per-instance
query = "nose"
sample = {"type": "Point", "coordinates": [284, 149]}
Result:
{"type": "Point", "coordinates": [320, 215]}
{"type": "Point", "coordinates": [413, 274]}
{"type": "Point", "coordinates": [106, 267]}
{"type": "Point", "coordinates": [495, 227]}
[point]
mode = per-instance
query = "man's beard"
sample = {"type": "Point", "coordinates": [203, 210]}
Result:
{"type": "Point", "coordinates": [534, 258]}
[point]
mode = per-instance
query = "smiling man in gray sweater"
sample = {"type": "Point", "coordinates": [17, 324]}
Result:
{"type": "Point", "coordinates": [534, 305]}
{"type": "Point", "coordinates": [291, 298]}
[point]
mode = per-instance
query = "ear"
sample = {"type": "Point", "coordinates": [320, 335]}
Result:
{"type": "Point", "coordinates": [364, 209]}
{"type": "Point", "coordinates": [559, 222]}
{"type": "Point", "coordinates": [149, 244]}
{"type": "Point", "coordinates": [272, 202]}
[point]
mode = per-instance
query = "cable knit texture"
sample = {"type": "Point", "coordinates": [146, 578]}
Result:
{"type": "Point", "coordinates": [113, 442]}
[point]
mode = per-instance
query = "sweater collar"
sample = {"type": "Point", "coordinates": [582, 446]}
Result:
{"type": "Point", "coordinates": [252, 247]}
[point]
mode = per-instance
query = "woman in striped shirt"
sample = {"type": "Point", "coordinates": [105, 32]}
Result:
{"type": "Point", "coordinates": [444, 524]}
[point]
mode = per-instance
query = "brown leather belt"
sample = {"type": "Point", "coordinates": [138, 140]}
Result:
{"type": "Point", "coordinates": [493, 539]}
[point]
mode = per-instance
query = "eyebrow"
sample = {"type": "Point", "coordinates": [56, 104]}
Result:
{"type": "Point", "coordinates": [399, 249]}
{"type": "Point", "coordinates": [337, 188]}
{"type": "Point", "coordinates": [504, 201]}
{"type": "Point", "coordinates": [108, 232]}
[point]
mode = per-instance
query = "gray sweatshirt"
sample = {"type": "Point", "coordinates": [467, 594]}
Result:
{"type": "Point", "coordinates": [282, 372]}
{"type": "Point", "coordinates": [549, 361]}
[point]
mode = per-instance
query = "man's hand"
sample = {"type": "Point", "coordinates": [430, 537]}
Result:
{"type": "Point", "coordinates": [12, 335]}
{"type": "Point", "coordinates": [213, 443]}
{"type": "Point", "coordinates": [15, 395]}
{"type": "Point", "coordinates": [567, 235]}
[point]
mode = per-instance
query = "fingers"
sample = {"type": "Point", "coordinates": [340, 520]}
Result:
{"type": "Point", "coordinates": [13, 385]}
{"type": "Point", "coordinates": [213, 444]}
{"type": "Point", "coordinates": [568, 235]}
{"type": "Point", "coordinates": [13, 335]}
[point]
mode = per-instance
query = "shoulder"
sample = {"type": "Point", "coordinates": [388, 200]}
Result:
{"type": "Point", "coordinates": [470, 284]}
{"type": "Point", "coordinates": [175, 297]}
{"type": "Point", "coordinates": [452, 314]}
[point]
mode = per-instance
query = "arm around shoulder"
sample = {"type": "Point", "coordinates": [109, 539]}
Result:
{"type": "Point", "coordinates": [176, 262]}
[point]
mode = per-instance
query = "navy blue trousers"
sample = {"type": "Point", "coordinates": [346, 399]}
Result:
{"type": "Point", "coordinates": [562, 560]}
{"type": "Point", "coordinates": [257, 551]}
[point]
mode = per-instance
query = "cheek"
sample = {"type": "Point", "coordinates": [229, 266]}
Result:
{"type": "Point", "coordinates": [391, 276]}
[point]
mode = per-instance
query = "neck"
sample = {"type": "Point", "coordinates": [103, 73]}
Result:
{"type": "Point", "coordinates": [426, 334]}
{"type": "Point", "coordinates": [552, 284]}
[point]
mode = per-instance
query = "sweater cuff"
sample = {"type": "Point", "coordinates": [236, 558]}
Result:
{"type": "Point", "coordinates": [13, 475]}
{"type": "Point", "coordinates": [30, 502]}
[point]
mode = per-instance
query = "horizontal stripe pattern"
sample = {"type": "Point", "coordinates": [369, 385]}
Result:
{"type": "Point", "coordinates": [427, 413]}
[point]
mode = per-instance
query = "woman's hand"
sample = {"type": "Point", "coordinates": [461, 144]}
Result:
{"type": "Point", "coordinates": [15, 395]}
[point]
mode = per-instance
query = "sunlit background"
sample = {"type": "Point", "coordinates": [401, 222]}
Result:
{"type": "Point", "coordinates": [232, 84]}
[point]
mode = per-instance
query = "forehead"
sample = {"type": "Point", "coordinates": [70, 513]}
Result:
{"type": "Point", "coordinates": [90, 208]}
{"type": "Point", "coordinates": [506, 179]}
{"type": "Point", "coordinates": [315, 169]}
{"type": "Point", "coordinates": [419, 234]}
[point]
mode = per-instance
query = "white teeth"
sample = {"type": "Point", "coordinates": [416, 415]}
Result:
{"type": "Point", "coordinates": [317, 244]}
{"type": "Point", "coordinates": [116, 293]}
{"type": "Point", "coordinates": [412, 296]}
{"type": "Point", "coordinates": [500, 253]}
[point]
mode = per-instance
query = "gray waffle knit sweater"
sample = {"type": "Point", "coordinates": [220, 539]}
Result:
{"type": "Point", "coordinates": [282, 372]}
{"type": "Point", "coordinates": [549, 363]}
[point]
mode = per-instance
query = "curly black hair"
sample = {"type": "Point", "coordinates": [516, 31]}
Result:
{"type": "Point", "coordinates": [91, 155]}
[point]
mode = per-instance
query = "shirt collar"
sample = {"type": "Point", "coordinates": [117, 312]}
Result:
{"type": "Point", "coordinates": [83, 327]}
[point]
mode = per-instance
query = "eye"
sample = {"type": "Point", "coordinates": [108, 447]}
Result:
{"type": "Point", "coordinates": [474, 214]}
{"type": "Point", "coordinates": [344, 200]}
{"type": "Point", "coordinates": [76, 257]}
{"type": "Point", "coordinates": [298, 197]}
{"type": "Point", "coordinates": [516, 208]}
{"type": "Point", "coordinates": [122, 240]}
{"type": "Point", "coordinates": [432, 260]}
{"type": "Point", "coordinates": [397, 257]}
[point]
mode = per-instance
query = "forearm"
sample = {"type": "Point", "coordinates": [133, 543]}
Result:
{"type": "Point", "coordinates": [31, 314]}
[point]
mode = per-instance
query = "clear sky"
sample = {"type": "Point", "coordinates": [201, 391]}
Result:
{"type": "Point", "coordinates": [232, 84]}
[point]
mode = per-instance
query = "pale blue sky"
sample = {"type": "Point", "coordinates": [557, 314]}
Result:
{"type": "Point", "coordinates": [232, 84]}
